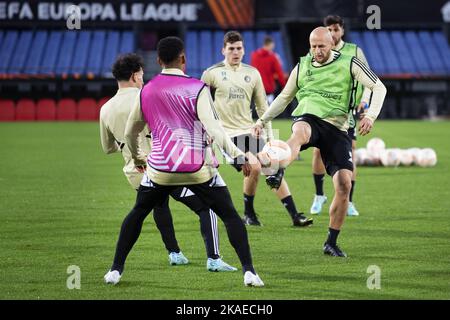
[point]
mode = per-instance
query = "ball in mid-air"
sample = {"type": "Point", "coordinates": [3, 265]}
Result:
{"type": "Point", "coordinates": [275, 154]}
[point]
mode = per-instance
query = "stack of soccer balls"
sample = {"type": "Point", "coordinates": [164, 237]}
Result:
{"type": "Point", "coordinates": [376, 154]}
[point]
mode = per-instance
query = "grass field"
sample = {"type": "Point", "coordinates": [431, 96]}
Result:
{"type": "Point", "coordinates": [62, 202]}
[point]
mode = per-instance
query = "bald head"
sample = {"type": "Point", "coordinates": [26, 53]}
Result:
{"type": "Point", "coordinates": [321, 34]}
{"type": "Point", "coordinates": [321, 43]}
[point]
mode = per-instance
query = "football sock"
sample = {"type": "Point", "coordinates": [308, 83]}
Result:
{"type": "Point", "coordinates": [332, 236]}
{"type": "Point", "coordinates": [117, 267]}
{"type": "Point", "coordinates": [289, 204]}
{"type": "Point", "coordinates": [351, 190]}
{"type": "Point", "coordinates": [248, 267]}
{"type": "Point", "coordinates": [248, 202]}
{"type": "Point", "coordinates": [318, 181]}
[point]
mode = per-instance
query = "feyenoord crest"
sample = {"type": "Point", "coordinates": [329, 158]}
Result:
{"type": "Point", "coordinates": [247, 79]}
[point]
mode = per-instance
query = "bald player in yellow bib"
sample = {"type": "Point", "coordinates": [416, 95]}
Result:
{"type": "Point", "coordinates": [322, 82]}
{"type": "Point", "coordinates": [235, 84]}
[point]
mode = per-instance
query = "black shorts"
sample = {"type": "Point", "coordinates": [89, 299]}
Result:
{"type": "Point", "coordinates": [335, 145]}
{"type": "Point", "coordinates": [246, 143]}
{"type": "Point", "coordinates": [352, 133]}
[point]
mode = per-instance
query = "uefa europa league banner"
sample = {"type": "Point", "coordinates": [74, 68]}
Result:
{"type": "Point", "coordinates": [226, 13]}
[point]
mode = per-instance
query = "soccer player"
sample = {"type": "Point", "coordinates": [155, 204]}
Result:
{"type": "Point", "coordinates": [322, 82]}
{"type": "Point", "coordinates": [335, 25]}
{"type": "Point", "coordinates": [269, 66]}
{"type": "Point", "coordinates": [128, 71]}
{"type": "Point", "coordinates": [179, 112]}
{"type": "Point", "coordinates": [235, 85]}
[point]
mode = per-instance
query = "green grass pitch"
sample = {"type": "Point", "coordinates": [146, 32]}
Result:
{"type": "Point", "coordinates": [62, 202]}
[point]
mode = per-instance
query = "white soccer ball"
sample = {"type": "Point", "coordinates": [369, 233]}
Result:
{"type": "Point", "coordinates": [390, 157]}
{"type": "Point", "coordinates": [427, 158]}
{"type": "Point", "coordinates": [406, 157]}
{"type": "Point", "coordinates": [277, 153]}
{"type": "Point", "coordinates": [415, 152]}
{"type": "Point", "coordinates": [375, 148]}
{"type": "Point", "coordinates": [360, 156]}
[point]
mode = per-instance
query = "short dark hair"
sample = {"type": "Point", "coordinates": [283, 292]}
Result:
{"type": "Point", "coordinates": [232, 37]}
{"type": "Point", "coordinates": [169, 49]}
{"type": "Point", "coordinates": [333, 19]}
{"type": "Point", "coordinates": [268, 40]}
{"type": "Point", "coordinates": [126, 65]}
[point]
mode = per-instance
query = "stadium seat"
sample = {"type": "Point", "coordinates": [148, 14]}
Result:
{"type": "Point", "coordinates": [417, 53]}
{"type": "Point", "coordinates": [21, 52]}
{"type": "Point", "coordinates": [191, 41]}
{"type": "Point", "coordinates": [434, 59]}
{"type": "Point", "coordinates": [249, 43]}
{"type": "Point", "coordinates": [96, 54]}
{"type": "Point", "coordinates": [39, 44]}
{"type": "Point", "coordinates": [393, 65]}
{"type": "Point", "coordinates": [127, 43]}
{"type": "Point", "coordinates": [102, 101]}
{"type": "Point", "coordinates": [66, 53]}
{"type": "Point", "coordinates": [406, 62]}
{"type": "Point", "coordinates": [443, 47]}
{"type": "Point", "coordinates": [217, 46]}
{"type": "Point", "coordinates": [7, 49]}
{"type": "Point", "coordinates": [26, 110]}
{"type": "Point", "coordinates": [66, 110]}
{"type": "Point", "coordinates": [205, 50]}
{"type": "Point", "coordinates": [80, 57]}
{"type": "Point", "coordinates": [7, 110]}
{"type": "Point", "coordinates": [46, 110]}
{"type": "Point", "coordinates": [112, 43]}
{"type": "Point", "coordinates": [88, 110]}
{"type": "Point", "coordinates": [51, 53]}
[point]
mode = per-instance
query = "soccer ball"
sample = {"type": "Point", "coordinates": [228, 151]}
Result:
{"type": "Point", "coordinates": [375, 147]}
{"type": "Point", "coordinates": [406, 157]}
{"type": "Point", "coordinates": [390, 157]}
{"type": "Point", "coordinates": [427, 158]}
{"type": "Point", "coordinates": [415, 152]}
{"type": "Point", "coordinates": [278, 153]}
{"type": "Point", "coordinates": [360, 156]}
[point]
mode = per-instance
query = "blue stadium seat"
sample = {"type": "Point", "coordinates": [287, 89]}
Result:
{"type": "Point", "coordinates": [51, 53]}
{"type": "Point", "coordinates": [21, 52]}
{"type": "Point", "coordinates": [81, 53]}
{"type": "Point", "coordinates": [127, 43]}
{"type": "Point", "coordinates": [434, 59]}
{"type": "Point", "coordinates": [218, 45]}
{"type": "Point", "coordinates": [391, 58]}
{"type": "Point", "coordinates": [96, 53]}
{"type": "Point", "coordinates": [38, 45]}
{"type": "Point", "coordinates": [406, 61]}
{"type": "Point", "coordinates": [191, 43]}
{"type": "Point", "coordinates": [417, 53]}
{"type": "Point", "coordinates": [373, 53]}
{"type": "Point", "coordinates": [1, 37]}
{"type": "Point", "coordinates": [249, 44]}
{"type": "Point", "coordinates": [443, 47]}
{"type": "Point", "coordinates": [260, 35]}
{"type": "Point", "coordinates": [66, 53]}
{"type": "Point", "coordinates": [112, 45]}
{"type": "Point", "coordinates": [7, 49]}
{"type": "Point", "coordinates": [279, 48]}
{"type": "Point", "coordinates": [205, 50]}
